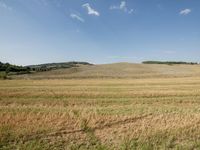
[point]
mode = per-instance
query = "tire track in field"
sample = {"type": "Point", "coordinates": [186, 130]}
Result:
{"type": "Point", "coordinates": [108, 125]}
{"type": "Point", "coordinates": [62, 131]}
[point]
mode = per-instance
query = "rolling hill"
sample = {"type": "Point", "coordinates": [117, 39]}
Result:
{"type": "Point", "coordinates": [116, 70]}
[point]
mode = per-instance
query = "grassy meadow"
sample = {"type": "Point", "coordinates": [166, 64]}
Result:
{"type": "Point", "coordinates": [155, 108]}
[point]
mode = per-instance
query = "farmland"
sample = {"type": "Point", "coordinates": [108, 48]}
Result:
{"type": "Point", "coordinates": [117, 106]}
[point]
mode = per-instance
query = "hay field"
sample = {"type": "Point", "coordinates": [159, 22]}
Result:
{"type": "Point", "coordinates": [125, 113]}
{"type": "Point", "coordinates": [117, 70]}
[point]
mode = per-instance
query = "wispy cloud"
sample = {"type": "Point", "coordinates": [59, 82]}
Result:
{"type": "Point", "coordinates": [130, 11]}
{"type": "Point", "coordinates": [77, 17]}
{"type": "Point", "coordinates": [122, 7]}
{"type": "Point", "coordinates": [90, 10]}
{"type": "Point", "coordinates": [185, 11]}
{"type": "Point", "coordinates": [5, 6]}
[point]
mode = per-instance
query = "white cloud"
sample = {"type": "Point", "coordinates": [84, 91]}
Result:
{"type": "Point", "coordinates": [77, 17]}
{"type": "Point", "coordinates": [90, 10]}
{"type": "Point", "coordinates": [122, 7]}
{"type": "Point", "coordinates": [185, 11]}
{"type": "Point", "coordinates": [5, 6]}
{"type": "Point", "coordinates": [130, 11]}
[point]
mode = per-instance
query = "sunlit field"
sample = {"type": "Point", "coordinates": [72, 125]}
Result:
{"type": "Point", "coordinates": [150, 113]}
{"type": "Point", "coordinates": [99, 74]}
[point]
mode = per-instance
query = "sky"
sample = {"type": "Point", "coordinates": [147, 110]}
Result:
{"type": "Point", "coordinates": [99, 31]}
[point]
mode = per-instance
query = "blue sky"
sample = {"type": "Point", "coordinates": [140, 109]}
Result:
{"type": "Point", "coordinates": [99, 31]}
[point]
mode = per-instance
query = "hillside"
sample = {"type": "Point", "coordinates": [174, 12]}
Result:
{"type": "Point", "coordinates": [9, 70]}
{"type": "Point", "coordinates": [53, 66]}
{"type": "Point", "coordinates": [117, 70]}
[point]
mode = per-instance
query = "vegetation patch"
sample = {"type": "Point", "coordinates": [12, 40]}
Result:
{"type": "Point", "coordinates": [104, 114]}
{"type": "Point", "coordinates": [170, 62]}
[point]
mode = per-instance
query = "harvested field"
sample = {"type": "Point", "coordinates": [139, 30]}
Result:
{"type": "Point", "coordinates": [150, 113]}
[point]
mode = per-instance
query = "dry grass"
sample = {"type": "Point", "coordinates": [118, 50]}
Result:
{"type": "Point", "coordinates": [118, 70]}
{"type": "Point", "coordinates": [149, 113]}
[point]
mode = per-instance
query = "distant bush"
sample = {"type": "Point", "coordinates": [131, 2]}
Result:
{"type": "Point", "coordinates": [53, 66]}
{"type": "Point", "coordinates": [169, 62]}
{"type": "Point", "coordinates": [9, 68]}
{"type": "Point", "coordinates": [3, 75]}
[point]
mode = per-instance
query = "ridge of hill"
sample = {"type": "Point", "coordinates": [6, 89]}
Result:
{"type": "Point", "coordinates": [117, 70]}
{"type": "Point", "coordinates": [53, 66]}
{"type": "Point", "coordinates": [8, 70]}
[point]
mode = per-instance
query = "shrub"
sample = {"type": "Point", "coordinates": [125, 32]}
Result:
{"type": "Point", "coordinates": [3, 75]}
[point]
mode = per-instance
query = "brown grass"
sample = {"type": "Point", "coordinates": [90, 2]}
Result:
{"type": "Point", "coordinates": [118, 70]}
{"type": "Point", "coordinates": [151, 113]}
{"type": "Point", "coordinates": [100, 107]}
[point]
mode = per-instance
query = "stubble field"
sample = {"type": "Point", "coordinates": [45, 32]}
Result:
{"type": "Point", "coordinates": [159, 113]}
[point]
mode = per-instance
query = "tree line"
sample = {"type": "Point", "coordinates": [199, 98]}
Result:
{"type": "Point", "coordinates": [169, 62]}
{"type": "Point", "coordinates": [53, 66]}
{"type": "Point", "coordinates": [6, 67]}
{"type": "Point", "coordinates": [9, 69]}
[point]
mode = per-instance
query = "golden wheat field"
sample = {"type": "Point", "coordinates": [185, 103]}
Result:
{"type": "Point", "coordinates": [101, 113]}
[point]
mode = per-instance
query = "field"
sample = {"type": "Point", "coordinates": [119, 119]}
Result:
{"type": "Point", "coordinates": [117, 71]}
{"type": "Point", "coordinates": [143, 107]}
